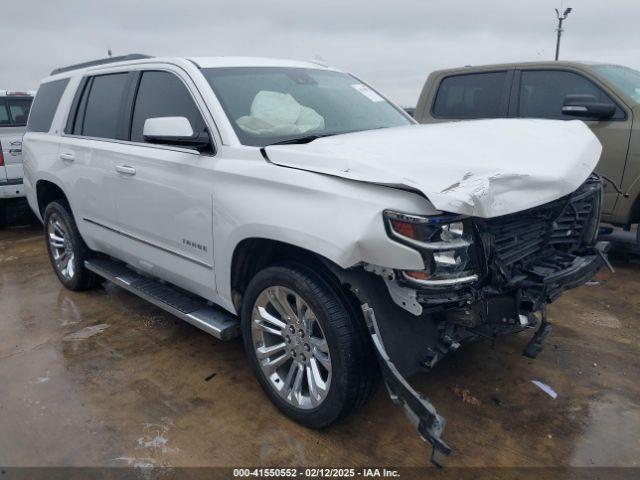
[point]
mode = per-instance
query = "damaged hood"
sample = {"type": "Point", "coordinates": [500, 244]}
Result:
{"type": "Point", "coordinates": [481, 168]}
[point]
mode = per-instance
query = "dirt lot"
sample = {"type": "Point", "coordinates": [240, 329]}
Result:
{"type": "Point", "coordinates": [103, 378]}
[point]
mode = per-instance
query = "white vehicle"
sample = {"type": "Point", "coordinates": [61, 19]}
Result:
{"type": "Point", "coordinates": [294, 205]}
{"type": "Point", "coordinates": [14, 111]}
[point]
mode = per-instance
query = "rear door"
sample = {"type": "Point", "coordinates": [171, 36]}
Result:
{"type": "Point", "coordinates": [90, 149]}
{"type": "Point", "coordinates": [540, 93]}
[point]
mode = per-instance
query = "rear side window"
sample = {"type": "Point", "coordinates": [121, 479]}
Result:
{"type": "Point", "coordinates": [477, 95]}
{"type": "Point", "coordinates": [542, 93]}
{"type": "Point", "coordinates": [19, 110]}
{"type": "Point", "coordinates": [162, 94]}
{"type": "Point", "coordinates": [103, 107]}
{"type": "Point", "coordinates": [45, 105]}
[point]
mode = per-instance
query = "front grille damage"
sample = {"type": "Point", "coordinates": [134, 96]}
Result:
{"type": "Point", "coordinates": [525, 261]}
{"type": "Point", "coordinates": [543, 240]}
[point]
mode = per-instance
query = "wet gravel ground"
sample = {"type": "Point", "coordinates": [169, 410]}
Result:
{"type": "Point", "coordinates": [102, 378]}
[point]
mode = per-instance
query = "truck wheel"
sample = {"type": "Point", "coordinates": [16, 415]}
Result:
{"type": "Point", "coordinates": [311, 355]}
{"type": "Point", "coordinates": [67, 251]}
{"type": "Point", "coordinates": [3, 215]}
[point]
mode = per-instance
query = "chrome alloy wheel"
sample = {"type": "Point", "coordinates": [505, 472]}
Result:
{"type": "Point", "coordinates": [291, 347]}
{"type": "Point", "coordinates": [61, 247]}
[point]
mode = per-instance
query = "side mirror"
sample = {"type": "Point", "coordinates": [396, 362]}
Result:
{"type": "Point", "coordinates": [586, 106]}
{"type": "Point", "coordinates": [176, 131]}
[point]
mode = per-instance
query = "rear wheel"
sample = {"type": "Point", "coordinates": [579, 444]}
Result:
{"type": "Point", "coordinates": [3, 214]}
{"type": "Point", "coordinates": [310, 355]}
{"type": "Point", "coordinates": [67, 251]}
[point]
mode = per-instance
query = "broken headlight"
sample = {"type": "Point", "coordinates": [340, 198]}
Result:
{"type": "Point", "coordinates": [444, 242]}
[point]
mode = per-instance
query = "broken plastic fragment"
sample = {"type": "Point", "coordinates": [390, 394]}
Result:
{"type": "Point", "coordinates": [545, 388]}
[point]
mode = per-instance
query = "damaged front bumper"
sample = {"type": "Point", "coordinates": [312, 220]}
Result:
{"type": "Point", "coordinates": [419, 410]}
{"type": "Point", "coordinates": [406, 343]}
{"type": "Point", "coordinates": [525, 261]}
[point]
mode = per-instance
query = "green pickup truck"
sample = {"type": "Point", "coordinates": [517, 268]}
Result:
{"type": "Point", "coordinates": [606, 97]}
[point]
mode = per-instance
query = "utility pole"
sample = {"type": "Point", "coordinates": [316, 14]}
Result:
{"type": "Point", "coordinates": [561, 18]}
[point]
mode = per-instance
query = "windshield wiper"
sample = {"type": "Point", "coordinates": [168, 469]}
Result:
{"type": "Point", "coordinates": [305, 139]}
{"type": "Point", "coordinates": [315, 136]}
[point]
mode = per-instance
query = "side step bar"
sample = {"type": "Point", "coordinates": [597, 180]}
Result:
{"type": "Point", "coordinates": [196, 311]}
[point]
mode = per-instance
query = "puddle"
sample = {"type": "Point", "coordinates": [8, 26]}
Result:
{"type": "Point", "coordinates": [87, 332]}
{"type": "Point", "coordinates": [600, 319]}
{"type": "Point", "coordinates": [610, 435]}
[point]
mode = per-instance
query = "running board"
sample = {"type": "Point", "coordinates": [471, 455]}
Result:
{"type": "Point", "coordinates": [196, 311]}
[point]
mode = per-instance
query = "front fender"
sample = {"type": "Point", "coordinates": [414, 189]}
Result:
{"type": "Point", "coordinates": [340, 220]}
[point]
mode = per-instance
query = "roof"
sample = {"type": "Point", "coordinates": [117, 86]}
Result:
{"type": "Point", "coordinates": [201, 62]}
{"type": "Point", "coordinates": [545, 63]}
{"type": "Point", "coordinates": [100, 61]}
{"type": "Point", "coordinates": [212, 62]}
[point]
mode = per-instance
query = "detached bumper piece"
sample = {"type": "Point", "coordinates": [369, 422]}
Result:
{"type": "Point", "coordinates": [421, 413]}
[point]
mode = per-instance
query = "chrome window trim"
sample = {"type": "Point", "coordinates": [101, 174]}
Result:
{"type": "Point", "coordinates": [150, 67]}
{"type": "Point", "coordinates": [140, 144]}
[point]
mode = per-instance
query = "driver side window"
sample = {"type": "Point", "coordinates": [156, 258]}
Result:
{"type": "Point", "coordinates": [162, 94]}
{"type": "Point", "coordinates": [542, 93]}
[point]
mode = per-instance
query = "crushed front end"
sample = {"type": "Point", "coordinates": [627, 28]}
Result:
{"type": "Point", "coordinates": [483, 278]}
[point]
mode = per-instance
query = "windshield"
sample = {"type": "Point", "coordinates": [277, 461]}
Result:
{"type": "Point", "coordinates": [268, 105]}
{"type": "Point", "coordinates": [624, 78]}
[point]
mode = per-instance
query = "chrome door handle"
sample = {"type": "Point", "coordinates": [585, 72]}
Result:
{"type": "Point", "coordinates": [67, 157]}
{"type": "Point", "coordinates": [126, 170]}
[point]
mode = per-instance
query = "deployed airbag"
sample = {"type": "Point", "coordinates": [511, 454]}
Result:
{"type": "Point", "coordinates": [275, 114]}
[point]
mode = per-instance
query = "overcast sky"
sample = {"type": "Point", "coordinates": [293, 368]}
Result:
{"type": "Point", "coordinates": [391, 44]}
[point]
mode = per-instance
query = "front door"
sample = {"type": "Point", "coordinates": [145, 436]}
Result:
{"type": "Point", "coordinates": [164, 194]}
{"type": "Point", "coordinates": [542, 94]}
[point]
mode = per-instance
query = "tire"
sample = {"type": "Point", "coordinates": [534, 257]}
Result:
{"type": "Point", "coordinates": [330, 325]}
{"type": "Point", "coordinates": [3, 215]}
{"type": "Point", "coordinates": [67, 251]}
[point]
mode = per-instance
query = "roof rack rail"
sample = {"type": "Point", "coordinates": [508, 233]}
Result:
{"type": "Point", "coordinates": [102, 61]}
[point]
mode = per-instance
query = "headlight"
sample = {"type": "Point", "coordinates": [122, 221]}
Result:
{"type": "Point", "coordinates": [443, 240]}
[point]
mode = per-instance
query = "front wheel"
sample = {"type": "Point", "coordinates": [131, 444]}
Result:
{"type": "Point", "coordinates": [312, 357]}
{"type": "Point", "coordinates": [67, 251]}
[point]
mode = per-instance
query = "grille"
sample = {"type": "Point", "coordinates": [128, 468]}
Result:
{"type": "Point", "coordinates": [520, 238]}
{"type": "Point", "coordinates": [569, 228]}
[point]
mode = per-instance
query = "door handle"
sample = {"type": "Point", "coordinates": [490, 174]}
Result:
{"type": "Point", "coordinates": [67, 157]}
{"type": "Point", "coordinates": [126, 170]}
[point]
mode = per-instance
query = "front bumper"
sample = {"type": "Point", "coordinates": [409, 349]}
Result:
{"type": "Point", "coordinates": [406, 343]}
{"type": "Point", "coordinates": [13, 188]}
{"type": "Point", "coordinates": [502, 307]}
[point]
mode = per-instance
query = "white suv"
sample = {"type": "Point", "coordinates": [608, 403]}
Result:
{"type": "Point", "coordinates": [14, 111]}
{"type": "Point", "coordinates": [294, 205]}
